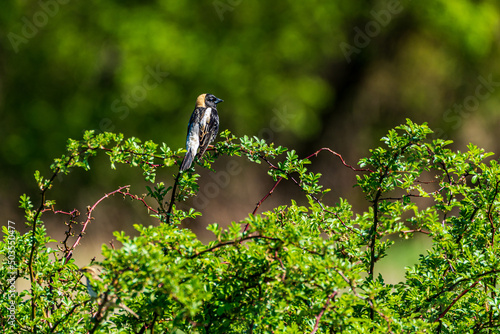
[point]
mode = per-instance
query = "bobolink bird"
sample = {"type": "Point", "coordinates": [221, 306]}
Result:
{"type": "Point", "coordinates": [111, 302]}
{"type": "Point", "coordinates": [202, 129]}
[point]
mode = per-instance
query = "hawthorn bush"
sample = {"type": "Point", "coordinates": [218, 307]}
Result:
{"type": "Point", "coordinates": [293, 269]}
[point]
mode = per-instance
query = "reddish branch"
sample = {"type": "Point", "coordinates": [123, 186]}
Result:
{"type": "Point", "coordinates": [137, 198]}
{"type": "Point", "coordinates": [73, 213]}
{"type": "Point", "coordinates": [456, 300]}
{"type": "Point", "coordinates": [89, 218]}
{"type": "Point", "coordinates": [267, 195]}
{"type": "Point", "coordinates": [263, 199]}
{"type": "Point", "coordinates": [340, 220]}
{"type": "Point", "coordinates": [341, 159]}
{"type": "Point", "coordinates": [318, 317]}
{"type": "Point", "coordinates": [298, 183]}
{"type": "Point", "coordinates": [454, 285]}
{"type": "Point", "coordinates": [91, 209]}
{"type": "Point", "coordinates": [348, 281]}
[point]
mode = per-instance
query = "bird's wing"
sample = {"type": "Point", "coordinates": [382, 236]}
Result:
{"type": "Point", "coordinates": [214, 125]}
{"type": "Point", "coordinates": [193, 134]}
{"type": "Point", "coordinates": [192, 139]}
{"type": "Point", "coordinates": [208, 129]}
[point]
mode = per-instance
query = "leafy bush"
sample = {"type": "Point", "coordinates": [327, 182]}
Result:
{"type": "Point", "coordinates": [293, 269]}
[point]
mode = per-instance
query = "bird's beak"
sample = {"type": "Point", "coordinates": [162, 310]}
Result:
{"type": "Point", "coordinates": [218, 101]}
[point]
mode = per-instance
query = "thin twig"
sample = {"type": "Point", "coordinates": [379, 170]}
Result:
{"type": "Point", "coordinates": [137, 198]}
{"type": "Point", "coordinates": [348, 281]}
{"type": "Point", "coordinates": [341, 159]}
{"type": "Point", "coordinates": [298, 183]}
{"type": "Point", "coordinates": [267, 195]}
{"type": "Point", "coordinates": [263, 199]}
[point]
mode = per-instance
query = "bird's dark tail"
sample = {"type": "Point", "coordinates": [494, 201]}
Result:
{"type": "Point", "coordinates": [188, 160]}
{"type": "Point", "coordinates": [186, 164]}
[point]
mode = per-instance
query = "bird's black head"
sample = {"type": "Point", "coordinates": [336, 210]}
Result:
{"type": "Point", "coordinates": [211, 101]}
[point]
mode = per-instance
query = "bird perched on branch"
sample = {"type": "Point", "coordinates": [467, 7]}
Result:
{"type": "Point", "coordinates": [111, 301]}
{"type": "Point", "coordinates": [202, 129]}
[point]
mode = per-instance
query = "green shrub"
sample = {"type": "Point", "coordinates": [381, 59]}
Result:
{"type": "Point", "coordinates": [293, 269]}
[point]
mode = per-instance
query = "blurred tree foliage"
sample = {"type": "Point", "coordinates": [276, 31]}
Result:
{"type": "Point", "coordinates": [136, 67]}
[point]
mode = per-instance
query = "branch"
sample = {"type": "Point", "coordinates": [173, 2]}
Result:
{"type": "Point", "coordinates": [172, 199]}
{"type": "Point", "coordinates": [73, 215]}
{"type": "Point", "coordinates": [456, 300]}
{"type": "Point", "coordinates": [101, 312]}
{"type": "Point", "coordinates": [318, 317]}
{"type": "Point", "coordinates": [341, 221]}
{"type": "Point", "coordinates": [89, 218]}
{"type": "Point", "coordinates": [373, 238]}
{"type": "Point", "coordinates": [298, 184]}
{"type": "Point", "coordinates": [65, 317]}
{"type": "Point", "coordinates": [226, 243]}
{"type": "Point", "coordinates": [33, 238]}
{"type": "Point", "coordinates": [341, 159]}
{"type": "Point", "coordinates": [348, 281]}
{"type": "Point", "coordinates": [262, 201]}
{"type": "Point", "coordinates": [267, 195]}
{"type": "Point", "coordinates": [451, 287]}
{"type": "Point", "coordinates": [146, 326]}
{"type": "Point", "coordinates": [137, 198]}
{"type": "Point", "coordinates": [490, 216]}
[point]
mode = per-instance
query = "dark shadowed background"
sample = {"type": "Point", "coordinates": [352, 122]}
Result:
{"type": "Point", "coordinates": [303, 74]}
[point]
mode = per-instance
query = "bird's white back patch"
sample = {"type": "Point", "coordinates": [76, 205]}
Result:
{"type": "Point", "coordinates": [193, 140]}
{"type": "Point", "coordinates": [206, 117]}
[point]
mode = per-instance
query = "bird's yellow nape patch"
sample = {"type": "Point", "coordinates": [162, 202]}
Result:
{"type": "Point", "coordinates": [90, 270]}
{"type": "Point", "coordinates": [200, 101]}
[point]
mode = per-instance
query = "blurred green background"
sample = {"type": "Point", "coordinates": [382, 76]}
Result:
{"type": "Point", "coordinates": [304, 74]}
